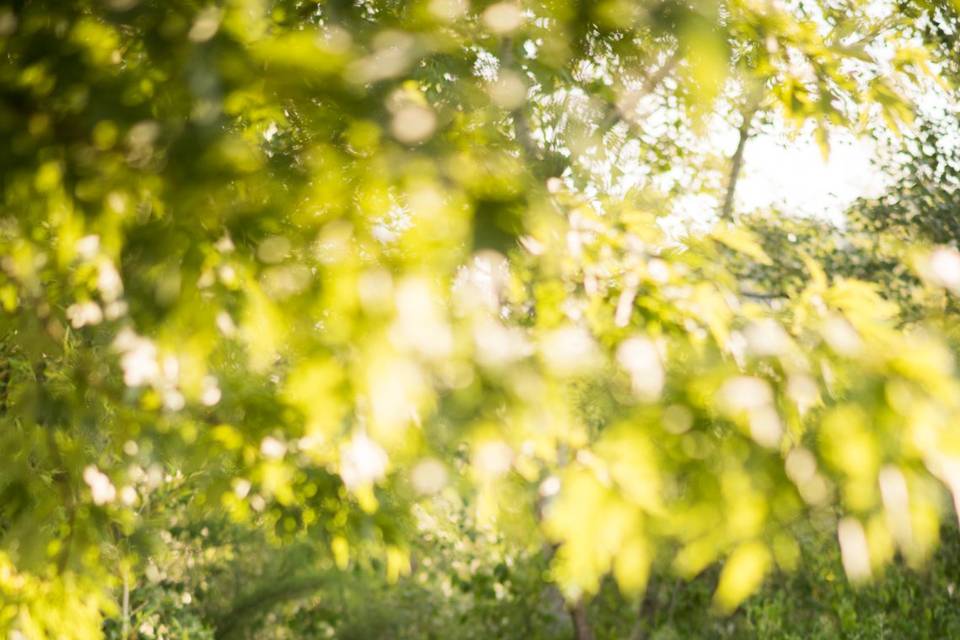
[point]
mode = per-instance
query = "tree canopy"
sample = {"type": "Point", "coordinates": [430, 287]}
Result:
{"type": "Point", "coordinates": [312, 291]}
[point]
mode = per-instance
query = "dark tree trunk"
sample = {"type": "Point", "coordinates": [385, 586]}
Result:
{"type": "Point", "coordinates": [648, 612]}
{"type": "Point", "coordinates": [581, 624]}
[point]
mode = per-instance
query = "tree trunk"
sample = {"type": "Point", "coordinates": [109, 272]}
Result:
{"type": "Point", "coordinates": [736, 162]}
{"type": "Point", "coordinates": [581, 625]}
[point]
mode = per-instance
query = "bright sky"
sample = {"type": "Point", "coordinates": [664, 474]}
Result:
{"type": "Point", "coordinates": [788, 172]}
{"type": "Point", "coordinates": [793, 176]}
{"type": "Point", "coordinates": [790, 175]}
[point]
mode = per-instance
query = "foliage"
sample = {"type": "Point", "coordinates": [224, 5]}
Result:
{"type": "Point", "coordinates": [276, 275]}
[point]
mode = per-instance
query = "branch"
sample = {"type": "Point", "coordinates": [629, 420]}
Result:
{"type": "Point", "coordinates": [4, 382]}
{"type": "Point", "coordinates": [125, 622]}
{"type": "Point", "coordinates": [262, 600]}
{"type": "Point", "coordinates": [760, 295]}
{"type": "Point", "coordinates": [650, 83]}
{"type": "Point", "coordinates": [521, 126]}
{"type": "Point", "coordinates": [60, 473]}
{"type": "Point", "coordinates": [654, 80]}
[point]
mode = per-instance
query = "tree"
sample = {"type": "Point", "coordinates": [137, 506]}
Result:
{"type": "Point", "coordinates": [309, 263]}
